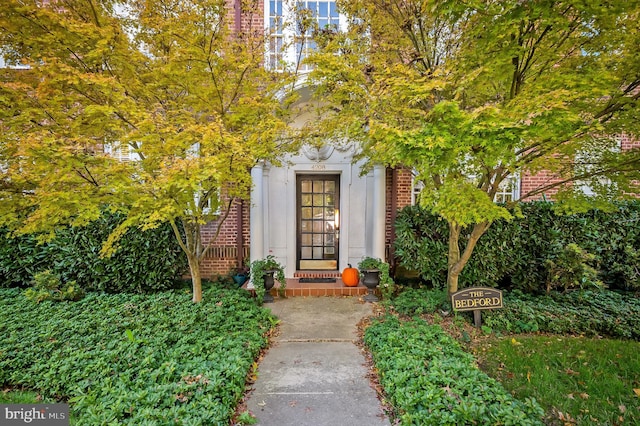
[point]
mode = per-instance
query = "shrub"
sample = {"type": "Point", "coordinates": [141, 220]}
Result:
{"type": "Point", "coordinates": [47, 286]}
{"type": "Point", "coordinates": [430, 380]}
{"type": "Point", "coordinates": [513, 254]}
{"type": "Point", "coordinates": [146, 261]}
{"type": "Point", "coordinates": [412, 302]}
{"type": "Point", "coordinates": [571, 269]}
{"type": "Point", "coordinates": [21, 257]}
{"type": "Point", "coordinates": [135, 359]}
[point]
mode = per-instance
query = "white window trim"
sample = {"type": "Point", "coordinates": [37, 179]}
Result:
{"type": "Point", "coordinates": [504, 194]}
{"type": "Point", "coordinates": [121, 152]}
{"type": "Point", "coordinates": [584, 186]}
{"type": "Point", "coordinates": [289, 57]}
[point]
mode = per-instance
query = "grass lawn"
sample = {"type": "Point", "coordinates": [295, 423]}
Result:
{"type": "Point", "coordinates": [577, 380]}
{"type": "Point", "coordinates": [133, 359]}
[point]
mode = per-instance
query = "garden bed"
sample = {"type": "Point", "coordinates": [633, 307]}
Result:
{"type": "Point", "coordinates": [135, 359]}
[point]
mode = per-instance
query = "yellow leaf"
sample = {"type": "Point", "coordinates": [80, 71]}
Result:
{"type": "Point", "coordinates": [637, 392]}
{"type": "Point", "coordinates": [529, 376]}
{"type": "Point", "coordinates": [515, 342]}
{"type": "Point", "coordinates": [584, 395]}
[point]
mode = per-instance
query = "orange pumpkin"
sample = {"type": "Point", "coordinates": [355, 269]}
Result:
{"type": "Point", "coordinates": [350, 276]}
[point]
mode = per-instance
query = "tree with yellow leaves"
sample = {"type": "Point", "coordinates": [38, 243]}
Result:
{"type": "Point", "coordinates": [471, 94]}
{"type": "Point", "coordinates": [168, 82]}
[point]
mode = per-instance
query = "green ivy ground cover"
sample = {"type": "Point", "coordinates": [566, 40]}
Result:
{"type": "Point", "coordinates": [429, 380]}
{"type": "Point", "coordinates": [135, 359]}
{"type": "Point", "coordinates": [591, 313]}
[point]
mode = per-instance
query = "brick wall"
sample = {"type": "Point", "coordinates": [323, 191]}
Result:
{"type": "Point", "coordinates": [530, 182]}
{"type": "Point", "coordinates": [223, 254]}
{"type": "Point", "coordinates": [251, 16]}
{"type": "Point", "coordinates": [397, 199]}
{"type": "Point", "coordinates": [626, 142]}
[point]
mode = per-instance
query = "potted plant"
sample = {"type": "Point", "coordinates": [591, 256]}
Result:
{"type": "Point", "coordinates": [374, 272]}
{"type": "Point", "coordinates": [263, 272]}
{"type": "Point", "coordinates": [240, 275]}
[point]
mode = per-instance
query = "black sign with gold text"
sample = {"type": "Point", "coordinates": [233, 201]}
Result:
{"type": "Point", "coordinates": [475, 298]}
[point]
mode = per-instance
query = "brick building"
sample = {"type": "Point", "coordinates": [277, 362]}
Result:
{"type": "Point", "coordinates": [317, 214]}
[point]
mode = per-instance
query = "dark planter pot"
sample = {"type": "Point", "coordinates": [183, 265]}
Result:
{"type": "Point", "coordinates": [269, 282]}
{"type": "Point", "coordinates": [371, 279]}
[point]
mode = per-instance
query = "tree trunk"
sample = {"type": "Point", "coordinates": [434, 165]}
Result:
{"type": "Point", "coordinates": [456, 261]}
{"type": "Point", "coordinates": [452, 282]}
{"type": "Point", "coordinates": [196, 279]}
{"type": "Point", "coordinates": [453, 259]}
{"type": "Point", "coordinates": [192, 248]}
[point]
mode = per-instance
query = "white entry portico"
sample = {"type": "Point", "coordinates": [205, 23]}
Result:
{"type": "Point", "coordinates": [360, 215]}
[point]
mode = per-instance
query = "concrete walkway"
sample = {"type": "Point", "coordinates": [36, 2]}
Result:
{"type": "Point", "coordinates": [314, 374]}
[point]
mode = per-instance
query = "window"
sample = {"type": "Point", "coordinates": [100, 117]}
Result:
{"type": "Point", "coordinates": [416, 187]}
{"type": "Point", "coordinates": [587, 162]}
{"type": "Point", "coordinates": [122, 152]}
{"type": "Point", "coordinates": [5, 63]}
{"type": "Point", "coordinates": [509, 190]}
{"type": "Point", "coordinates": [290, 42]}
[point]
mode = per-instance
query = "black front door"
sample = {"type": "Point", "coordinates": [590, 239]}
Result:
{"type": "Point", "coordinates": [318, 224]}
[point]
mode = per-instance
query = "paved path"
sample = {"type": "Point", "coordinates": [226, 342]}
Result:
{"type": "Point", "coordinates": [314, 374]}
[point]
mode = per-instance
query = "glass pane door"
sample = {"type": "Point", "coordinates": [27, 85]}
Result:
{"type": "Point", "coordinates": [318, 221]}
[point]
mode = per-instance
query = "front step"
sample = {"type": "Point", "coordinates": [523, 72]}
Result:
{"type": "Point", "coordinates": [295, 288]}
{"type": "Point", "coordinates": [337, 289]}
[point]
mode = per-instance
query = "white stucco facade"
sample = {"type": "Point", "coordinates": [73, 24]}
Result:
{"type": "Point", "coordinates": [274, 212]}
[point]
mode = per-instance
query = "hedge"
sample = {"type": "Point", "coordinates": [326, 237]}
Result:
{"type": "Point", "coordinates": [146, 261]}
{"type": "Point", "coordinates": [512, 254]}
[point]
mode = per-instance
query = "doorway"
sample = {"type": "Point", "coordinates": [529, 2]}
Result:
{"type": "Point", "coordinates": [318, 221]}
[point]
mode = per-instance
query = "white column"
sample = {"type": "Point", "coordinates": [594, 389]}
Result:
{"type": "Point", "coordinates": [256, 213]}
{"type": "Point", "coordinates": [379, 213]}
{"type": "Point", "coordinates": [266, 219]}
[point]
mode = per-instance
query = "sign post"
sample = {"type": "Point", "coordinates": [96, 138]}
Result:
{"type": "Point", "coordinates": [476, 299]}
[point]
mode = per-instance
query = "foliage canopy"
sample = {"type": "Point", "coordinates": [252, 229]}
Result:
{"type": "Point", "coordinates": [166, 81]}
{"type": "Point", "coordinates": [472, 94]}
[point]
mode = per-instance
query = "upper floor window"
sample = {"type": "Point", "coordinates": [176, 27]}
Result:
{"type": "Point", "coordinates": [291, 25]}
{"type": "Point", "coordinates": [121, 151]}
{"type": "Point", "coordinates": [5, 63]}
{"type": "Point", "coordinates": [416, 188]}
{"type": "Point", "coordinates": [508, 190]}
